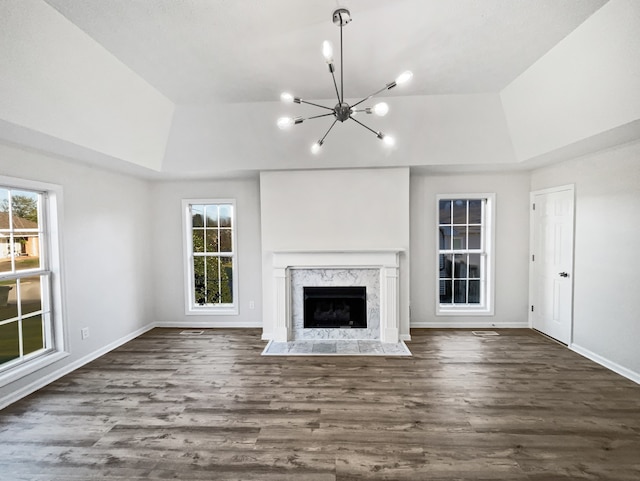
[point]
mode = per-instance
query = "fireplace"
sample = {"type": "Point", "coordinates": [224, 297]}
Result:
{"type": "Point", "coordinates": [376, 270]}
{"type": "Point", "coordinates": [335, 307]}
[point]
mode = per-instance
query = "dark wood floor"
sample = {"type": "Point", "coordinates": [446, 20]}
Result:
{"type": "Point", "coordinates": [168, 406]}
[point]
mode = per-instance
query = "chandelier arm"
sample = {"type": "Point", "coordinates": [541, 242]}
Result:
{"type": "Point", "coordinates": [336, 86]}
{"type": "Point", "coordinates": [311, 103]}
{"type": "Point", "coordinates": [318, 116]}
{"type": "Point", "coordinates": [378, 134]}
{"type": "Point", "coordinates": [327, 133]}
{"type": "Point", "coordinates": [341, 97]}
{"type": "Point", "coordinates": [372, 95]}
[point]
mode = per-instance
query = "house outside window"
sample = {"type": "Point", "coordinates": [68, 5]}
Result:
{"type": "Point", "coordinates": [30, 328]}
{"type": "Point", "coordinates": [210, 256]}
{"type": "Point", "coordinates": [465, 254]}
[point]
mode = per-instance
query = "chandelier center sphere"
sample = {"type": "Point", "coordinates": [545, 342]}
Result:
{"type": "Point", "coordinates": [342, 111]}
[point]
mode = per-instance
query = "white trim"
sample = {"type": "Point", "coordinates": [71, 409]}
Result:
{"type": "Point", "coordinates": [603, 361]}
{"type": "Point", "coordinates": [488, 309]}
{"type": "Point", "coordinates": [55, 375]}
{"type": "Point", "coordinates": [189, 308]}
{"type": "Point", "coordinates": [208, 324]}
{"type": "Point", "coordinates": [469, 324]}
{"type": "Point", "coordinates": [29, 367]}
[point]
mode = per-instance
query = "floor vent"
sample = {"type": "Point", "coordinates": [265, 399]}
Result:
{"type": "Point", "coordinates": [485, 333]}
{"type": "Point", "coordinates": [191, 332]}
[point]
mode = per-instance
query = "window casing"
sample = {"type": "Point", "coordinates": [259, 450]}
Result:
{"type": "Point", "coordinates": [210, 256]}
{"type": "Point", "coordinates": [30, 288]}
{"type": "Point", "coordinates": [465, 254]}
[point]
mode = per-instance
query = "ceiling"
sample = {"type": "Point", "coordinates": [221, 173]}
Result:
{"type": "Point", "coordinates": [229, 51]}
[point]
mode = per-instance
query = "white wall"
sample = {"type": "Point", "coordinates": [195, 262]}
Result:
{"type": "Point", "coordinates": [334, 210]}
{"type": "Point", "coordinates": [606, 322]}
{"type": "Point", "coordinates": [584, 86]}
{"type": "Point", "coordinates": [59, 82]}
{"type": "Point", "coordinates": [431, 129]}
{"type": "Point", "coordinates": [106, 255]}
{"type": "Point", "coordinates": [511, 247]}
{"type": "Point", "coordinates": [167, 240]}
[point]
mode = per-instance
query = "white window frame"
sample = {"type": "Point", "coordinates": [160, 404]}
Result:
{"type": "Point", "coordinates": [191, 308]}
{"type": "Point", "coordinates": [51, 249]}
{"type": "Point", "coordinates": [487, 296]}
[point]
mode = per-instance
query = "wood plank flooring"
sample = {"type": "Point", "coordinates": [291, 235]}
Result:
{"type": "Point", "coordinates": [168, 406]}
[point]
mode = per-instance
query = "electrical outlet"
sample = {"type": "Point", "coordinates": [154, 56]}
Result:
{"type": "Point", "coordinates": [84, 333]}
{"type": "Point", "coordinates": [252, 305]}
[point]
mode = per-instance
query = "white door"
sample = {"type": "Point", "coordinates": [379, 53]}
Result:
{"type": "Point", "coordinates": [551, 272]}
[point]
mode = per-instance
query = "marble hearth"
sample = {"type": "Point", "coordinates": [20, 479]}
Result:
{"type": "Point", "coordinates": [377, 270]}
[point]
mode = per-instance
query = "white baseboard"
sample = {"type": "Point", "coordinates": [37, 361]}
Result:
{"type": "Point", "coordinates": [55, 375]}
{"type": "Point", "coordinates": [469, 325]}
{"type": "Point", "coordinates": [617, 368]}
{"type": "Point", "coordinates": [206, 324]}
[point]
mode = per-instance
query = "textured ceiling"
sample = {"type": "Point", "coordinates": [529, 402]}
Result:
{"type": "Point", "coordinates": [197, 51]}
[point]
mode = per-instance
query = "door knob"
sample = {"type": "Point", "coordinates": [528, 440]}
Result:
{"type": "Point", "coordinates": [564, 274]}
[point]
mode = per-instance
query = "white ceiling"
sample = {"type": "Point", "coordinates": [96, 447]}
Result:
{"type": "Point", "coordinates": [206, 51]}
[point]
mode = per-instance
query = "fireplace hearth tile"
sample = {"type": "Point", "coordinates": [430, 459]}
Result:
{"type": "Point", "coordinates": [324, 347]}
{"type": "Point", "coordinates": [339, 347]}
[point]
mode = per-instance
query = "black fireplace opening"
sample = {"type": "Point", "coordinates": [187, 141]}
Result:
{"type": "Point", "coordinates": [335, 307]}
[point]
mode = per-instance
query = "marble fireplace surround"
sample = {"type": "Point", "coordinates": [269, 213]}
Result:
{"type": "Point", "coordinates": [385, 261]}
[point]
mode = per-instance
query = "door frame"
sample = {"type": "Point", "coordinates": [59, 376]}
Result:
{"type": "Point", "coordinates": [532, 195]}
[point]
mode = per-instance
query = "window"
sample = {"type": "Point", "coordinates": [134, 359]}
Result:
{"type": "Point", "coordinates": [210, 247]}
{"type": "Point", "coordinates": [30, 332]}
{"type": "Point", "coordinates": [465, 239]}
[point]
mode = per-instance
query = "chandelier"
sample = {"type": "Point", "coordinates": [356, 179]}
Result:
{"type": "Point", "coordinates": [342, 110]}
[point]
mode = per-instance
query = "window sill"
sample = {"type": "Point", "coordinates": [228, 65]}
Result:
{"type": "Point", "coordinates": [464, 312]}
{"type": "Point", "coordinates": [29, 367]}
{"type": "Point", "coordinates": [212, 311]}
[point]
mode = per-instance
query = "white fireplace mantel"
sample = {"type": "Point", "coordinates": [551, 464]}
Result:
{"type": "Point", "coordinates": [386, 260]}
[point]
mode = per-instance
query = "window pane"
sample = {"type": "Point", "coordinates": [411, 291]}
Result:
{"type": "Point", "coordinates": [5, 254]}
{"type": "Point", "coordinates": [445, 212]}
{"type": "Point", "coordinates": [8, 300]}
{"type": "Point", "coordinates": [474, 266]}
{"type": "Point", "coordinates": [445, 237]}
{"type": "Point", "coordinates": [30, 295]}
{"type": "Point", "coordinates": [199, 280]}
{"type": "Point", "coordinates": [460, 292]}
{"type": "Point", "coordinates": [460, 269]}
{"type": "Point", "coordinates": [226, 280]}
{"type": "Point", "coordinates": [445, 292]}
{"type": "Point", "coordinates": [24, 209]}
{"type": "Point", "coordinates": [459, 211]}
{"type": "Point", "coordinates": [212, 215]}
{"type": "Point", "coordinates": [198, 240]}
{"type": "Point", "coordinates": [32, 334]}
{"type": "Point", "coordinates": [197, 215]}
{"type": "Point", "coordinates": [475, 239]}
{"type": "Point", "coordinates": [9, 342]}
{"type": "Point", "coordinates": [225, 240]}
{"type": "Point", "coordinates": [446, 263]}
{"type": "Point", "coordinates": [26, 248]}
{"type": "Point", "coordinates": [213, 280]}
{"type": "Point", "coordinates": [475, 211]}
{"type": "Point", "coordinates": [474, 292]}
{"type": "Point", "coordinates": [225, 216]}
{"type": "Point", "coordinates": [4, 205]}
{"type": "Point", "coordinates": [4, 225]}
{"type": "Point", "coordinates": [212, 240]}
{"type": "Point", "coordinates": [459, 237]}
